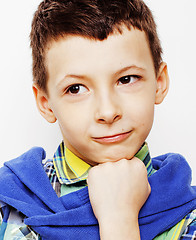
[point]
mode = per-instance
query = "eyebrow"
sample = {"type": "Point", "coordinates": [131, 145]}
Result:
{"type": "Point", "coordinates": [117, 73]}
{"type": "Point", "coordinates": [80, 77]}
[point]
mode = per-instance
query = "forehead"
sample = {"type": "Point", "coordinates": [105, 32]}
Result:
{"type": "Point", "coordinates": [80, 55]}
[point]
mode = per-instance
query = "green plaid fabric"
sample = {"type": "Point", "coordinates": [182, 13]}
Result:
{"type": "Point", "coordinates": [70, 169]}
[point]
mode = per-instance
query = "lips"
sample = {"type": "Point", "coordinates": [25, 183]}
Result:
{"type": "Point", "coordinates": [112, 139]}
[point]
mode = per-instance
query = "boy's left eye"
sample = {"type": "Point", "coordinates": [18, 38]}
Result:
{"type": "Point", "coordinates": [128, 79]}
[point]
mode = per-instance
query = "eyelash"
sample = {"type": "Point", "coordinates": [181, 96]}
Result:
{"type": "Point", "coordinates": [77, 89]}
{"type": "Point", "coordinates": [127, 80]}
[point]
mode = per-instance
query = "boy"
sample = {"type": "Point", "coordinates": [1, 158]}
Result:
{"type": "Point", "coordinates": [98, 70]}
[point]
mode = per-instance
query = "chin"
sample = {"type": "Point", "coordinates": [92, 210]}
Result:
{"type": "Point", "coordinates": [117, 157]}
{"type": "Point", "coordinates": [123, 152]}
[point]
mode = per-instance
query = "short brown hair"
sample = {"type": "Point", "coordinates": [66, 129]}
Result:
{"type": "Point", "coordinates": [95, 19]}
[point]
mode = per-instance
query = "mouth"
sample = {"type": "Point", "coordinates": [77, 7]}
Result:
{"type": "Point", "coordinates": [112, 139]}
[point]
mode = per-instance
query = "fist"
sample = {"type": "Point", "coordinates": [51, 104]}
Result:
{"type": "Point", "coordinates": [118, 189]}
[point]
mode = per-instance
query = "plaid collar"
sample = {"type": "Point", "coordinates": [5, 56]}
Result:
{"type": "Point", "coordinates": [71, 169]}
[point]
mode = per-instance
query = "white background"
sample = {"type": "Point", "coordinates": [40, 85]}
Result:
{"type": "Point", "coordinates": [21, 126]}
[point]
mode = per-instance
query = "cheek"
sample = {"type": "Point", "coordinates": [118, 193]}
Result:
{"type": "Point", "coordinates": [142, 113]}
{"type": "Point", "coordinates": [147, 120]}
{"type": "Point", "coordinates": [73, 124]}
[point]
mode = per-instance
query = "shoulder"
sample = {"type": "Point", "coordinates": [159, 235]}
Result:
{"type": "Point", "coordinates": [16, 167]}
{"type": "Point", "coordinates": [170, 159]}
{"type": "Point", "coordinates": [35, 153]}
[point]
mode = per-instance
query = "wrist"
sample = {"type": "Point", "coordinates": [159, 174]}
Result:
{"type": "Point", "coordinates": [119, 227]}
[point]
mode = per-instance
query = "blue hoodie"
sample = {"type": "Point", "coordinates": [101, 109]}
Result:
{"type": "Point", "coordinates": [26, 187]}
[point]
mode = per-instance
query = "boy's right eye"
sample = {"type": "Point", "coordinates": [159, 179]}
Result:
{"type": "Point", "coordinates": [76, 89]}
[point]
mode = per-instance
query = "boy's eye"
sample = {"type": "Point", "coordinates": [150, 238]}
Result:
{"type": "Point", "coordinates": [76, 89]}
{"type": "Point", "coordinates": [128, 79]}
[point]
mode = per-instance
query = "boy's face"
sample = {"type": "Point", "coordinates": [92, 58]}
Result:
{"type": "Point", "coordinates": [102, 93]}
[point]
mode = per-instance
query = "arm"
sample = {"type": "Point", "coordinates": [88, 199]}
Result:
{"type": "Point", "coordinates": [12, 226]}
{"type": "Point", "coordinates": [3, 208]}
{"type": "Point", "coordinates": [190, 231]}
{"type": "Point", "coordinates": [117, 192]}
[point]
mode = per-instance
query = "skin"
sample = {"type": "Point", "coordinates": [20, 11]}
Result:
{"type": "Point", "coordinates": [103, 94]}
{"type": "Point", "coordinates": [116, 201]}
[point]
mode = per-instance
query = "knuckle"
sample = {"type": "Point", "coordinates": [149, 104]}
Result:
{"type": "Point", "coordinates": [138, 163]}
{"type": "Point", "coordinates": [122, 161]}
{"type": "Point", "coordinates": [93, 171]}
{"type": "Point", "coordinates": [139, 166]}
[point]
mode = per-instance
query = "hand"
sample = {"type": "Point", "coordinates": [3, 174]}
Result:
{"type": "Point", "coordinates": [117, 192]}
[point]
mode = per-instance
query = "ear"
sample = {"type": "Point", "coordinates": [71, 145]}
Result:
{"type": "Point", "coordinates": [162, 83]}
{"type": "Point", "coordinates": [43, 104]}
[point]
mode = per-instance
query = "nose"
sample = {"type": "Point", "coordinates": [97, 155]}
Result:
{"type": "Point", "coordinates": [108, 109]}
